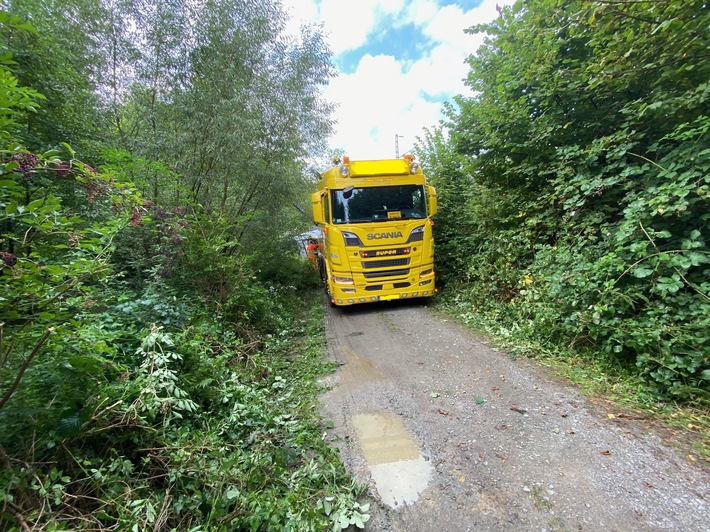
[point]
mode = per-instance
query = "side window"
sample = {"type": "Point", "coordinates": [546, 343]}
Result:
{"type": "Point", "coordinates": [326, 206]}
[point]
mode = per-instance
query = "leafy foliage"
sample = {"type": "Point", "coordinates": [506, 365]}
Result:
{"type": "Point", "coordinates": [55, 55]}
{"type": "Point", "coordinates": [156, 370]}
{"type": "Point", "coordinates": [143, 453]}
{"type": "Point", "coordinates": [232, 107]}
{"type": "Point", "coordinates": [582, 215]}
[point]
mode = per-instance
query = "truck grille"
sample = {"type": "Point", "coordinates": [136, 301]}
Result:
{"type": "Point", "coordinates": [386, 263]}
{"type": "Point", "coordinates": [390, 273]}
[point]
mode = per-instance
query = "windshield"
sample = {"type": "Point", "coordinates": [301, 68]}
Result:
{"type": "Point", "coordinates": [378, 204]}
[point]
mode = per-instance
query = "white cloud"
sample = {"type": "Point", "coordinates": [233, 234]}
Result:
{"type": "Point", "coordinates": [377, 102]}
{"type": "Point", "coordinates": [440, 73]}
{"type": "Point", "coordinates": [349, 23]}
{"type": "Point", "coordinates": [382, 98]}
{"type": "Point", "coordinates": [300, 12]}
{"type": "Point", "coordinates": [448, 25]}
{"type": "Point", "coordinates": [421, 10]}
{"type": "Point", "coordinates": [346, 23]}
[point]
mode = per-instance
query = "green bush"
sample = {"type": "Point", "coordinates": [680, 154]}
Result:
{"type": "Point", "coordinates": [577, 180]}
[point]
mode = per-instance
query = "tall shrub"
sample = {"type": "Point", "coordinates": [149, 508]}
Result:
{"type": "Point", "coordinates": [586, 143]}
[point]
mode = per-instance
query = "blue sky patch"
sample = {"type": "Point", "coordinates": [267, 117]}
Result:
{"type": "Point", "coordinates": [466, 5]}
{"type": "Point", "coordinates": [412, 97]}
{"type": "Point", "coordinates": [406, 43]}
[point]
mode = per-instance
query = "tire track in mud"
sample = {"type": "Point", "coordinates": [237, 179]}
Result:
{"type": "Point", "coordinates": [507, 447]}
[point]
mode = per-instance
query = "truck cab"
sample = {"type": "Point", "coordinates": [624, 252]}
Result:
{"type": "Point", "coordinates": [377, 242]}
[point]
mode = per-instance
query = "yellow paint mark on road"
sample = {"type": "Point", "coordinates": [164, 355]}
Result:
{"type": "Point", "coordinates": [399, 471]}
{"type": "Point", "coordinates": [384, 439]}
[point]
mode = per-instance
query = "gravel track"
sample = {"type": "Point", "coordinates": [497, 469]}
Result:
{"type": "Point", "coordinates": [506, 446]}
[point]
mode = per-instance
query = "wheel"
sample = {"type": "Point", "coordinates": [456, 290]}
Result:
{"type": "Point", "coordinates": [321, 269]}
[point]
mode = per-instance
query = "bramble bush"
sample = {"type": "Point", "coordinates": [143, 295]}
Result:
{"type": "Point", "coordinates": [578, 179]}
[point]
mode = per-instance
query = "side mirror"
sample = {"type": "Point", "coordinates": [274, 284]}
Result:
{"type": "Point", "coordinates": [431, 200]}
{"type": "Point", "coordinates": [317, 205]}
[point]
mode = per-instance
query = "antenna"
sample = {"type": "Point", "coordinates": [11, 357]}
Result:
{"type": "Point", "coordinates": [396, 145]}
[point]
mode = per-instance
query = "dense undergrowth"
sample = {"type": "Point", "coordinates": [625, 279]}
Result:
{"type": "Point", "coordinates": [159, 346]}
{"type": "Point", "coordinates": [170, 402]}
{"type": "Point", "coordinates": [162, 403]}
{"type": "Point", "coordinates": [183, 425]}
{"type": "Point", "coordinates": [167, 400]}
{"type": "Point", "coordinates": [574, 188]}
{"type": "Point", "coordinates": [191, 430]}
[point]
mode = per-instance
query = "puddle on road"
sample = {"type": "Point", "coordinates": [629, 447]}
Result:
{"type": "Point", "coordinates": [397, 467]}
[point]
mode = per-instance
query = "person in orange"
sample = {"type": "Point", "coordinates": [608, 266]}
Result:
{"type": "Point", "coordinates": [311, 249]}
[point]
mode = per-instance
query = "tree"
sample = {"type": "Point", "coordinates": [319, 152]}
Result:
{"type": "Point", "coordinates": [60, 61]}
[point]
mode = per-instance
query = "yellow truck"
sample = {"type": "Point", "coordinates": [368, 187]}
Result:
{"type": "Point", "coordinates": [377, 242]}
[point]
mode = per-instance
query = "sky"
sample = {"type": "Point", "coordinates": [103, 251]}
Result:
{"type": "Point", "coordinates": [398, 61]}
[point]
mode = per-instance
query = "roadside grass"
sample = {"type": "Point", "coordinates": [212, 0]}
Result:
{"type": "Point", "coordinates": [294, 364]}
{"type": "Point", "coordinates": [617, 392]}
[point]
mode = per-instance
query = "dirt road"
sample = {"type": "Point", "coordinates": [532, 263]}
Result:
{"type": "Point", "coordinates": [453, 435]}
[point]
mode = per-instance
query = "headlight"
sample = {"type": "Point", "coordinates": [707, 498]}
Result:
{"type": "Point", "coordinates": [351, 239]}
{"type": "Point", "coordinates": [417, 234]}
{"type": "Point", "coordinates": [342, 280]}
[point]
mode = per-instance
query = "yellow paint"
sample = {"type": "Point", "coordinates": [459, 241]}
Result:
{"type": "Point", "coordinates": [384, 439]}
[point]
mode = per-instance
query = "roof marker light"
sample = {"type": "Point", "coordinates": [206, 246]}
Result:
{"type": "Point", "coordinates": [345, 168]}
{"type": "Point", "coordinates": [413, 167]}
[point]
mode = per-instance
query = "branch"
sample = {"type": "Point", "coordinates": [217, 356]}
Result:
{"type": "Point", "coordinates": [4, 460]}
{"type": "Point", "coordinates": [24, 367]}
{"type": "Point", "coordinates": [634, 17]}
{"type": "Point", "coordinates": [13, 509]}
{"type": "Point", "coordinates": [676, 269]}
{"type": "Point", "coordinates": [3, 358]}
